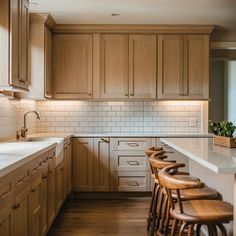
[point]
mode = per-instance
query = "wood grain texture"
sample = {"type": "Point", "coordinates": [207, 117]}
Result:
{"type": "Point", "coordinates": [72, 66]}
{"type": "Point", "coordinates": [125, 217]}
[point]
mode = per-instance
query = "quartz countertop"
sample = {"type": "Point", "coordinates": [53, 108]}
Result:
{"type": "Point", "coordinates": [148, 135]}
{"type": "Point", "coordinates": [15, 154]}
{"type": "Point", "coordinates": [50, 135]}
{"type": "Point", "coordinates": [203, 151]}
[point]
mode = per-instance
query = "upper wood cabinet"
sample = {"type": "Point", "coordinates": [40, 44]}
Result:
{"type": "Point", "coordinates": [142, 66]}
{"type": "Point", "coordinates": [196, 60]}
{"type": "Point", "coordinates": [183, 67]}
{"type": "Point", "coordinates": [72, 66]}
{"type": "Point", "coordinates": [14, 34]}
{"type": "Point", "coordinates": [40, 56]}
{"type": "Point", "coordinates": [128, 66]}
{"type": "Point", "coordinates": [114, 81]}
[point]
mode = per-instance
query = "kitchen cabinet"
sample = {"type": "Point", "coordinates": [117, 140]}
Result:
{"type": "Point", "coordinates": [14, 34]}
{"type": "Point", "coordinates": [35, 206]}
{"type": "Point", "coordinates": [51, 209]}
{"type": "Point", "coordinates": [183, 67]}
{"type": "Point", "coordinates": [128, 66]}
{"type": "Point", "coordinates": [91, 160]}
{"type": "Point", "coordinates": [21, 212]}
{"type": "Point", "coordinates": [6, 220]}
{"type": "Point", "coordinates": [72, 66]}
{"type": "Point", "coordinates": [101, 163]}
{"type": "Point", "coordinates": [114, 66]}
{"type": "Point", "coordinates": [83, 164]}
{"type": "Point", "coordinates": [129, 170]}
{"type": "Point", "coordinates": [142, 66]}
{"type": "Point", "coordinates": [40, 48]}
{"type": "Point", "coordinates": [60, 187]}
{"type": "Point", "coordinates": [68, 166]}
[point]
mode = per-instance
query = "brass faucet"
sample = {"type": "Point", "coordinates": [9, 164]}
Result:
{"type": "Point", "coordinates": [24, 129]}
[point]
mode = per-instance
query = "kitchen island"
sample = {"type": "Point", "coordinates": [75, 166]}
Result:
{"type": "Point", "coordinates": [214, 165]}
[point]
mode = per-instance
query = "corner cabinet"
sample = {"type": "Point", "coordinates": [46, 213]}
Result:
{"type": "Point", "coordinates": [128, 66]}
{"type": "Point", "coordinates": [14, 34]}
{"type": "Point", "coordinates": [183, 67]}
{"type": "Point", "coordinates": [72, 66]}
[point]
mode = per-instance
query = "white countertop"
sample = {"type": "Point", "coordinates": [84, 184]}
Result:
{"type": "Point", "coordinates": [50, 135]}
{"type": "Point", "coordinates": [15, 154]}
{"type": "Point", "coordinates": [148, 135]}
{"type": "Point", "coordinates": [202, 150]}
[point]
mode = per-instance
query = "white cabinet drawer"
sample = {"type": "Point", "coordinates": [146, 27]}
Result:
{"type": "Point", "coordinates": [131, 181]}
{"type": "Point", "coordinates": [127, 144]}
{"type": "Point", "coordinates": [129, 161]}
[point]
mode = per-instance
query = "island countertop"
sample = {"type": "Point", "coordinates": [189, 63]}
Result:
{"type": "Point", "coordinates": [203, 151]}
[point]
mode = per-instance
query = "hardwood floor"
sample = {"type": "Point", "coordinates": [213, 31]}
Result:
{"type": "Point", "coordinates": [126, 217]}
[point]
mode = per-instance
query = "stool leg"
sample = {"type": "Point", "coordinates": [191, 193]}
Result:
{"type": "Point", "coordinates": [159, 210]}
{"type": "Point", "coordinates": [198, 230]}
{"type": "Point", "coordinates": [190, 229]}
{"type": "Point", "coordinates": [154, 212]}
{"type": "Point", "coordinates": [181, 231]}
{"type": "Point", "coordinates": [161, 229]}
{"type": "Point", "coordinates": [222, 229]}
{"type": "Point", "coordinates": [173, 229]}
{"type": "Point", "coordinates": [167, 221]}
{"type": "Point", "coordinates": [150, 213]}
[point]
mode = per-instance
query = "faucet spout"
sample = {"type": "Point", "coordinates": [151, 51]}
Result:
{"type": "Point", "coordinates": [24, 129]}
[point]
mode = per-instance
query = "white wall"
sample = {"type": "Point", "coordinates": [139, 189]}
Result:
{"type": "Point", "coordinates": [231, 97]}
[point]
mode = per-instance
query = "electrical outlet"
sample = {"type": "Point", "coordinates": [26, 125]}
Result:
{"type": "Point", "coordinates": [193, 122]}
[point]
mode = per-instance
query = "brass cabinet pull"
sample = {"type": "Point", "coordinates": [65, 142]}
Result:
{"type": "Point", "coordinates": [133, 163]}
{"type": "Point", "coordinates": [44, 177]}
{"type": "Point", "coordinates": [32, 190]}
{"type": "Point", "coordinates": [132, 94]}
{"type": "Point", "coordinates": [133, 144]}
{"type": "Point", "coordinates": [126, 94]}
{"type": "Point", "coordinates": [132, 183]}
{"type": "Point", "coordinates": [15, 206]}
{"type": "Point", "coordinates": [105, 141]}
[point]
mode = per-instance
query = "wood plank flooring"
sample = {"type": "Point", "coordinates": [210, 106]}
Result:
{"type": "Point", "coordinates": [126, 217]}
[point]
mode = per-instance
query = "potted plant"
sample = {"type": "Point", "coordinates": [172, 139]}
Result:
{"type": "Point", "coordinates": [224, 133]}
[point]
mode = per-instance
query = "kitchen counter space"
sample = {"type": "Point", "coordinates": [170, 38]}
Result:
{"type": "Point", "coordinates": [15, 154]}
{"type": "Point", "coordinates": [202, 150]}
{"type": "Point", "coordinates": [50, 135]}
{"type": "Point", "coordinates": [148, 135]}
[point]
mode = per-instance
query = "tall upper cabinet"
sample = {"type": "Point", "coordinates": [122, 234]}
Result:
{"type": "Point", "coordinates": [14, 33]}
{"type": "Point", "coordinates": [40, 56]}
{"type": "Point", "coordinates": [72, 66]}
{"type": "Point", "coordinates": [128, 66]}
{"type": "Point", "coordinates": [183, 66]}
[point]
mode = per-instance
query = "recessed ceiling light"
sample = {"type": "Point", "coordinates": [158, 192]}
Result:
{"type": "Point", "coordinates": [115, 14]}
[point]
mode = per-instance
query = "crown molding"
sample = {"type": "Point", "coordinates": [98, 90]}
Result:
{"type": "Point", "coordinates": [43, 18]}
{"type": "Point", "coordinates": [115, 28]}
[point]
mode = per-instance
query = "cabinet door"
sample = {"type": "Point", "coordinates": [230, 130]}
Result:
{"type": "Point", "coordinates": [83, 164]}
{"type": "Point", "coordinates": [170, 66]}
{"type": "Point", "coordinates": [36, 206]}
{"type": "Point", "coordinates": [142, 66]}
{"type": "Point", "coordinates": [68, 169]}
{"type": "Point", "coordinates": [48, 63]}
{"type": "Point", "coordinates": [114, 66]}
{"type": "Point", "coordinates": [44, 217]}
{"type": "Point", "coordinates": [24, 42]}
{"type": "Point", "coordinates": [101, 164]}
{"type": "Point", "coordinates": [6, 220]}
{"type": "Point", "coordinates": [196, 77]}
{"type": "Point", "coordinates": [60, 185]}
{"type": "Point", "coordinates": [72, 66]}
{"type": "Point", "coordinates": [21, 212]}
{"type": "Point", "coordinates": [51, 195]}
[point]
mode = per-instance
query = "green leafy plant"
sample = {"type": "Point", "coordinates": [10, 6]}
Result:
{"type": "Point", "coordinates": [224, 128]}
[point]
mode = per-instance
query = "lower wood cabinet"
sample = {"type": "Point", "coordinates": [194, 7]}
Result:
{"type": "Point", "coordinates": [68, 166]}
{"type": "Point", "coordinates": [60, 188]}
{"type": "Point", "coordinates": [7, 220]}
{"type": "Point", "coordinates": [91, 159]}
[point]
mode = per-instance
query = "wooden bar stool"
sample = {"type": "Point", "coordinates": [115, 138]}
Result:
{"type": "Point", "coordinates": [191, 213]}
{"type": "Point", "coordinates": [155, 191]}
{"type": "Point", "coordinates": [190, 194]}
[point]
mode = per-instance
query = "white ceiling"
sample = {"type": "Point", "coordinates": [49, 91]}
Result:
{"type": "Point", "coordinates": [217, 12]}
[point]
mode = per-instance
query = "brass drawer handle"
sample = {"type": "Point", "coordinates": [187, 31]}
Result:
{"type": "Point", "coordinates": [44, 177]}
{"type": "Point", "coordinates": [132, 183]}
{"type": "Point", "coordinates": [36, 169]}
{"type": "Point", "coordinates": [15, 206]}
{"type": "Point", "coordinates": [105, 141]}
{"type": "Point", "coordinates": [133, 163]}
{"type": "Point", "coordinates": [21, 181]}
{"type": "Point", "coordinates": [133, 144]}
{"type": "Point", "coordinates": [62, 169]}
{"type": "Point", "coordinates": [50, 158]}
{"type": "Point", "coordinates": [32, 190]}
{"type": "Point", "coordinates": [132, 94]}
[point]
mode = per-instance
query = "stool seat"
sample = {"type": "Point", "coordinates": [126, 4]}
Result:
{"type": "Point", "coordinates": [192, 194]}
{"type": "Point", "coordinates": [198, 211]}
